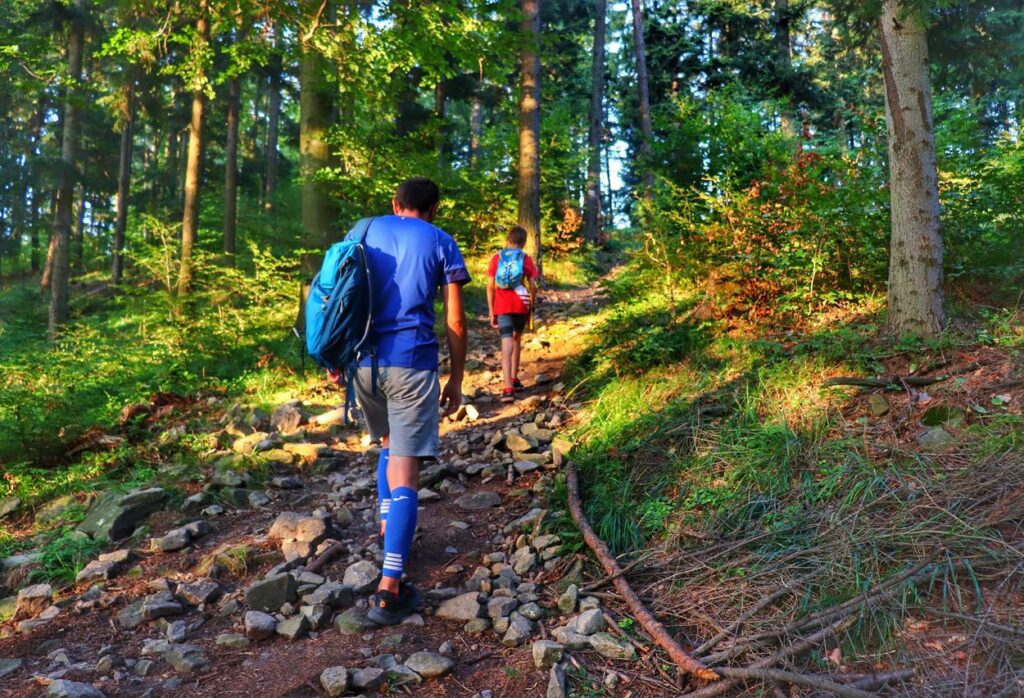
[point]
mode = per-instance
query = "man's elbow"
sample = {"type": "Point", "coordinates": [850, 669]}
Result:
{"type": "Point", "coordinates": [458, 326]}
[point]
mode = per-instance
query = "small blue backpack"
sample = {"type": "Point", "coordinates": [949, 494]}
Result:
{"type": "Point", "coordinates": [510, 268]}
{"type": "Point", "coordinates": [339, 307]}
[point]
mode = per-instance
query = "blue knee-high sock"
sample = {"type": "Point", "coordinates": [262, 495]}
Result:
{"type": "Point", "coordinates": [383, 492]}
{"type": "Point", "coordinates": [401, 528]}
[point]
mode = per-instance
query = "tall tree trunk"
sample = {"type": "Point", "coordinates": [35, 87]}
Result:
{"type": "Point", "coordinates": [34, 230]}
{"type": "Point", "coordinates": [273, 120]}
{"type": "Point", "coordinates": [784, 64]}
{"type": "Point", "coordinates": [592, 207]}
{"type": "Point", "coordinates": [60, 269]}
{"type": "Point", "coordinates": [231, 171]}
{"type": "Point", "coordinates": [124, 174]}
{"type": "Point", "coordinates": [476, 126]}
{"type": "Point", "coordinates": [174, 136]}
{"type": "Point", "coordinates": [78, 237]}
{"type": "Point", "coordinates": [915, 253]}
{"type": "Point", "coordinates": [36, 177]}
{"type": "Point", "coordinates": [316, 107]}
{"type": "Point", "coordinates": [646, 129]}
{"type": "Point", "coordinates": [440, 111]}
{"type": "Point", "coordinates": [528, 185]}
{"type": "Point", "coordinates": [193, 172]}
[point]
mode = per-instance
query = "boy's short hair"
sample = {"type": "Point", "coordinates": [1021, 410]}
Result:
{"type": "Point", "coordinates": [517, 236]}
{"type": "Point", "coordinates": [418, 194]}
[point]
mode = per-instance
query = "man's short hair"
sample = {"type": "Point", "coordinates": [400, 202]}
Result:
{"type": "Point", "coordinates": [418, 194]}
{"type": "Point", "coordinates": [517, 236]}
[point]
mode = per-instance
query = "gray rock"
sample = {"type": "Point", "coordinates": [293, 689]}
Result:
{"type": "Point", "coordinates": [464, 607]}
{"type": "Point", "coordinates": [62, 688]}
{"type": "Point", "coordinates": [334, 680]}
{"type": "Point", "coordinates": [292, 526]}
{"type": "Point", "coordinates": [173, 540]}
{"type": "Point", "coordinates": [588, 622]}
{"type": "Point", "coordinates": [361, 576]}
{"type": "Point", "coordinates": [331, 594]}
{"type": "Point", "coordinates": [105, 567]}
{"type": "Point", "coordinates": [272, 593]}
{"type": "Point", "coordinates": [186, 658]}
{"type": "Point", "coordinates": [287, 418]}
{"type": "Point", "coordinates": [523, 561]}
{"type": "Point", "coordinates": [476, 626]}
{"type": "Point", "coordinates": [319, 616]}
{"type": "Point", "coordinates": [114, 516]}
{"type": "Point", "coordinates": [532, 610]}
{"type": "Point", "coordinates": [609, 646]}
{"type": "Point", "coordinates": [199, 592]}
{"type": "Point", "coordinates": [546, 653]}
{"type": "Point", "coordinates": [9, 666]}
{"type": "Point", "coordinates": [519, 631]}
{"type": "Point", "coordinates": [936, 437]}
{"type": "Point", "coordinates": [478, 500]}
{"type": "Point", "coordinates": [259, 625]}
{"type": "Point", "coordinates": [143, 667]}
{"type": "Point", "coordinates": [33, 600]}
{"type": "Point", "coordinates": [556, 683]}
{"type": "Point", "coordinates": [8, 505]}
{"type": "Point", "coordinates": [878, 405]}
{"type": "Point", "coordinates": [429, 665]}
{"type": "Point", "coordinates": [295, 628]}
{"type": "Point", "coordinates": [177, 631]}
{"type": "Point", "coordinates": [255, 499]}
{"type": "Point", "coordinates": [368, 679]}
{"type": "Point", "coordinates": [501, 606]}
{"type": "Point", "coordinates": [353, 621]}
{"type": "Point", "coordinates": [571, 639]}
{"type": "Point", "coordinates": [198, 529]}
{"type": "Point", "coordinates": [589, 602]}
{"type": "Point", "coordinates": [524, 466]}
{"type": "Point", "coordinates": [400, 675]}
{"type": "Point", "coordinates": [233, 641]}
{"type": "Point", "coordinates": [286, 482]}
{"type": "Point", "coordinates": [532, 431]}
{"type": "Point", "coordinates": [343, 517]}
{"type": "Point", "coordinates": [567, 601]}
{"type": "Point", "coordinates": [517, 443]}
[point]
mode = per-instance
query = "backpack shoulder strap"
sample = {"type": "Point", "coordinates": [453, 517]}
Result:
{"type": "Point", "coordinates": [361, 228]}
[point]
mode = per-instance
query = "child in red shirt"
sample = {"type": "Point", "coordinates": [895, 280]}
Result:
{"type": "Point", "coordinates": [510, 292]}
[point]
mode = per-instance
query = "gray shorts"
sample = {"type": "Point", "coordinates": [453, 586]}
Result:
{"type": "Point", "coordinates": [405, 409]}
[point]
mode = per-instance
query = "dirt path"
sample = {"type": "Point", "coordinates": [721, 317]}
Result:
{"type": "Point", "coordinates": [87, 641]}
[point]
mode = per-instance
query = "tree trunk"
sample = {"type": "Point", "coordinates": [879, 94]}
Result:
{"type": "Point", "coordinates": [528, 189]}
{"type": "Point", "coordinates": [592, 207]}
{"type": "Point", "coordinates": [193, 172]}
{"type": "Point", "coordinates": [316, 106]}
{"type": "Point", "coordinates": [60, 269]}
{"type": "Point", "coordinates": [784, 64]}
{"type": "Point", "coordinates": [124, 174]}
{"type": "Point", "coordinates": [476, 125]}
{"type": "Point", "coordinates": [646, 129]}
{"type": "Point", "coordinates": [231, 171]}
{"type": "Point", "coordinates": [78, 238]}
{"type": "Point", "coordinates": [170, 193]}
{"type": "Point", "coordinates": [441, 111]}
{"type": "Point", "coordinates": [273, 120]}
{"type": "Point", "coordinates": [915, 254]}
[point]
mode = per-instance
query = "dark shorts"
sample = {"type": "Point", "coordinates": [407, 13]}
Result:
{"type": "Point", "coordinates": [513, 323]}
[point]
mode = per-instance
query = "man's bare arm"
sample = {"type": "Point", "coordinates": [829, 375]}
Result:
{"type": "Point", "coordinates": [455, 323]}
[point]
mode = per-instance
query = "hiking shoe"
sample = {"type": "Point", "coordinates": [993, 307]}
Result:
{"type": "Point", "coordinates": [508, 395]}
{"type": "Point", "coordinates": [391, 609]}
{"type": "Point", "coordinates": [518, 386]}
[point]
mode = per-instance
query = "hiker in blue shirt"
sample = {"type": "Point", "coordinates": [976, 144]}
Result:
{"type": "Point", "coordinates": [409, 258]}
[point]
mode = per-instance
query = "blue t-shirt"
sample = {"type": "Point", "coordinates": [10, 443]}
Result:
{"type": "Point", "coordinates": [408, 259]}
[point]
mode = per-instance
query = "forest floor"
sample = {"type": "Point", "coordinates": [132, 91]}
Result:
{"type": "Point", "coordinates": [447, 552]}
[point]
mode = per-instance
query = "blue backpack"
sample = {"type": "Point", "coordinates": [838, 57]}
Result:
{"type": "Point", "coordinates": [339, 307]}
{"type": "Point", "coordinates": [510, 268]}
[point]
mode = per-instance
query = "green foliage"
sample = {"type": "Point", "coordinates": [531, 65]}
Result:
{"type": "Point", "coordinates": [64, 557]}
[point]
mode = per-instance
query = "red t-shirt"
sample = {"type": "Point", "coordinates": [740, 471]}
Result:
{"type": "Point", "coordinates": [506, 300]}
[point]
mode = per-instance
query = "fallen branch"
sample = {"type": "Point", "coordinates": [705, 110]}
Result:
{"type": "Point", "coordinates": [809, 680]}
{"type": "Point", "coordinates": [871, 682]}
{"type": "Point", "coordinates": [657, 631]}
{"type": "Point", "coordinates": [327, 556]}
{"type": "Point", "coordinates": [889, 381]}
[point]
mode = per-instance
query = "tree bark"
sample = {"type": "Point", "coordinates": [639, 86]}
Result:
{"type": "Point", "coordinates": [231, 171]}
{"type": "Point", "coordinates": [193, 172]}
{"type": "Point", "coordinates": [124, 174]}
{"type": "Point", "coordinates": [316, 107]}
{"type": "Point", "coordinates": [915, 254]}
{"type": "Point", "coordinates": [60, 269]}
{"type": "Point", "coordinates": [273, 121]}
{"type": "Point", "coordinates": [592, 207]}
{"type": "Point", "coordinates": [784, 64]}
{"type": "Point", "coordinates": [476, 124]}
{"type": "Point", "coordinates": [646, 128]}
{"type": "Point", "coordinates": [528, 186]}
{"type": "Point", "coordinates": [78, 238]}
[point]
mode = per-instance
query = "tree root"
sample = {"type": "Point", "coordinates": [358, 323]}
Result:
{"type": "Point", "coordinates": [809, 680]}
{"type": "Point", "coordinates": [651, 624]}
{"type": "Point", "coordinates": [889, 381]}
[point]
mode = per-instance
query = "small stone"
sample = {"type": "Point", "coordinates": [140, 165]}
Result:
{"type": "Point", "coordinates": [331, 594]}
{"type": "Point", "coordinates": [9, 666]}
{"type": "Point", "coordinates": [546, 653]}
{"type": "Point", "coordinates": [571, 639]}
{"type": "Point", "coordinates": [609, 646]}
{"type": "Point", "coordinates": [103, 667]}
{"type": "Point", "coordinates": [232, 641]}
{"type": "Point", "coordinates": [523, 561]}
{"type": "Point", "coordinates": [62, 688]}
{"type": "Point", "coordinates": [271, 593]}
{"type": "Point", "coordinates": [567, 601]}
{"type": "Point", "coordinates": [532, 610]}
{"type": "Point", "coordinates": [878, 405]}
{"type": "Point", "coordinates": [343, 517]}
{"type": "Point", "coordinates": [334, 680]}
{"type": "Point", "coordinates": [203, 591]}
{"type": "Point", "coordinates": [415, 620]}
{"type": "Point", "coordinates": [400, 674]}
{"type": "Point", "coordinates": [143, 667]}
{"type": "Point", "coordinates": [368, 679]}
{"type": "Point", "coordinates": [362, 576]}
{"type": "Point", "coordinates": [464, 607]}
{"type": "Point", "coordinates": [177, 631]}
{"type": "Point", "coordinates": [295, 628]}
{"type": "Point", "coordinates": [353, 621]}
{"type": "Point", "coordinates": [428, 495]}
{"type": "Point", "coordinates": [524, 466]}
{"type": "Point", "coordinates": [429, 664]}
{"type": "Point", "coordinates": [259, 626]}
{"type": "Point", "coordinates": [478, 500]}
{"type": "Point", "coordinates": [936, 438]}
{"type": "Point", "coordinates": [7, 506]}
{"type": "Point", "coordinates": [588, 622]}
{"type": "Point", "coordinates": [501, 606]}
{"type": "Point", "coordinates": [519, 631]}
{"type": "Point", "coordinates": [257, 499]}
{"type": "Point", "coordinates": [286, 482]}
{"type": "Point", "coordinates": [588, 603]}
{"type": "Point", "coordinates": [517, 443]}
{"type": "Point", "coordinates": [33, 600]}
{"type": "Point", "coordinates": [476, 626]}
{"type": "Point", "coordinates": [556, 683]}
{"type": "Point", "coordinates": [186, 658]}
{"type": "Point", "coordinates": [319, 616]}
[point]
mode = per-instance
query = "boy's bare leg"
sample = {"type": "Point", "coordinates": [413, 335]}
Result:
{"type": "Point", "coordinates": [517, 340]}
{"type": "Point", "coordinates": [403, 471]}
{"type": "Point", "coordinates": [385, 442]}
{"type": "Point", "coordinates": [508, 360]}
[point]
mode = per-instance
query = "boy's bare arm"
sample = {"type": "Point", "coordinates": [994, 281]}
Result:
{"type": "Point", "coordinates": [490, 301]}
{"type": "Point", "coordinates": [455, 322]}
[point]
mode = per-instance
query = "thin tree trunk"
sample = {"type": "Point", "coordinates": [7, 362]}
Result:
{"type": "Point", "coordinates": [316, 106]}
{"type": "Point", "coordinates": [170, 193]}
{"type": "Point", "coordinates": [60, 268]}
{"type": "Point", "coordinates": [646, 129]}
{"type": "Point", "coordinates": [784, 64]}
{"type": "Point", "coordinates": [440, 111]}
{"type": "Point", "coordinates": [34, 229]}
{"type": "Point", "coordinates": [592, 207]}
{"type": "Point", "coordinates": [78, 238]}
{"type": "Point", "coordinates": [476, 124]}
{"type": "Point", "coordinates": [124, 174]}
{"type": "Point", "coordinates": [193, 171]}
{"type": "Point", "coordinates": [273, 120]}
{"type": "Point", "coordinates": [231, 171]}
{"type": "Point", "coordinates": [528, 189]}
{"type": "Point", "coordinates": [915, 256]}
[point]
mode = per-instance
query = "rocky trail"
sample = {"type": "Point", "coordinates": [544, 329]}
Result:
{"type": "Point", "coordinates": [257, 586]}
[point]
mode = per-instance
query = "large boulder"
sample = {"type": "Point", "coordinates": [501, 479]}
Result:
{"type": "Point", "coordinates": [115, 516]}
